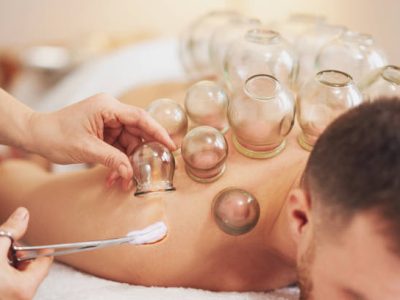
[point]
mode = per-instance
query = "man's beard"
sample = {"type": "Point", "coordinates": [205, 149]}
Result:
{"type": "Point", "coordinates": [304, 272]}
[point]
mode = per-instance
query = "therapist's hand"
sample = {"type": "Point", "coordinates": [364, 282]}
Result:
{"type": "Point", "coordinates": [99, 129]}
{"type": "Point", "coordinates": [20, 283]}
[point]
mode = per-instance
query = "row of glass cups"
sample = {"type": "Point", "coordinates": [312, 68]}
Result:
{"type": "Point", "coordinates": [234, 47]}
{"type": "Point", "coordinates": [204, 151]}
{"type": "Point", "coordinates": [204, 148]}
{"type": "Point", "coordinates": [263, 113]}
{"type": "Point", "coordinates": [260, 117]}
{"type": "Point", "coordinates": [263, 51]}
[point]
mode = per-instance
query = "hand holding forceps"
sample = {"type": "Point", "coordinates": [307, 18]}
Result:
{"type": "Point", "coordinates": [149, 235]}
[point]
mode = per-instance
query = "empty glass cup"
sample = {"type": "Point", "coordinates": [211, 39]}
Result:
{"type": "Point", "coordinates": [194, 42]}
{"type": "Point", "coordinates": [353, 53]}
{"type": "Point", "coordinates": [204, 150]}
{"type": "Point", "coordinates": [260, 51]}
{"type": "Point", "coordinates": [206, 103]}
{"type": "Point", "coordinates": [153, 168]}
{"type": "Point", "coordinates": [235, 211]}
{"type": "Point", "coordinates": [307, 47]}
{"type": "Point", "coordinates": [384, 82]}
{"type": "Point", "coordinates": [307, 33]}
{"type": "Point", "coordinates": [171, 116]}
{"type": "Point", "coordinates": [261, 116]}
{"type": "Point", "coordinates": [224, 36]}
{"type": "Point", "coordinates": [321, 101]}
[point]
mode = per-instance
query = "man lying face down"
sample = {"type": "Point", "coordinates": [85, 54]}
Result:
{"type": "Point", "coordinates": [335, 231]}
{"type": "Point", "coordinates": [346, 215]}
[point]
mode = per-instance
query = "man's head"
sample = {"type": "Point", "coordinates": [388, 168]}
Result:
{"type": "Point", "coordinates": [346, 216]}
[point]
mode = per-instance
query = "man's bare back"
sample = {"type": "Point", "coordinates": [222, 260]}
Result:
{"type": "Point", "coordinates": [196, 253]}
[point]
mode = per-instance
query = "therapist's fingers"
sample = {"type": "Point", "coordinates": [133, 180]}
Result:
{"type": "Point", "coordinates": [16, 225]}
{"type": "Point", "coordinates": [108, 155]}
{"type": "Point", "coordinates": [129, 142]}
{"type": "Point", "coordinates": [137, 117]}
{"type": "Point", "coordinates": [126, 184]}
{"type": "Point", "coordinates": [31, 274]}
{"type": "Point", "coordinates": [111, 134]}
{"type": "Point", "coordinates": [36, 270]}
{"type": "Point", "coordinates": [114, 178]}
{"type": "Point", "coordinates": [138, 132]}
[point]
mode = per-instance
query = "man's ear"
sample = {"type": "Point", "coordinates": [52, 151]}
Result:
{"type": "Point", "coordinates": [299, 212]}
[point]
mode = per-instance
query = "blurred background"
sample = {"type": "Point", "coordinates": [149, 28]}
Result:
{"type": "Point", "coordinates": [55, 52]}
{"type": "Point", "coordinates": [25, 22]}
{"type": "Point", "coordinates": [98, 26]}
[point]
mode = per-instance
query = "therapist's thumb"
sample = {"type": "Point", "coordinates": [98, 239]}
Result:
{"type": "Point", "coordinates": [16, 225]}
{"type": "Point", "coordinates": [112, 157]}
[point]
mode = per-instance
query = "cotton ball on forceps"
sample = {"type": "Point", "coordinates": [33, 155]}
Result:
{"type": "Point", "coordinates": [235, 211]}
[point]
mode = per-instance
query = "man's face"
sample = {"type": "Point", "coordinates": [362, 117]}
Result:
{"type": "Point", "coordinates": [356, 264]}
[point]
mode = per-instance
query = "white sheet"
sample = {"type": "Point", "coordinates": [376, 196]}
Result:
{"type": "Point", "coordinates": [65, 283]}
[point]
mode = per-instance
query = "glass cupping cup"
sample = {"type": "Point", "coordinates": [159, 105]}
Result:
{"type": "Point", "coordinates": [261, 116]}
{"type": "Point", "coordinates": [329, 94]}
{"type": "Point", "coordinates": [171, 116]}
{"type": "Point", "coordinates": [153, 168]}
{"type": "Point", "coordinates": [353, 53]}
{"type": "Point", "coordinates": [206, 103]}
{"type": "Point", "coordinates": [384, 82]}
{"type": "Point", "coordinates": [204, 150]}
{"type": "Point", "coordinates": [235, 211]}
{"type": "Point", "coordinates": [260, 51]}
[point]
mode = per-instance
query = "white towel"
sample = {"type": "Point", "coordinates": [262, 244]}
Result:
{"type": "Point", "coordinates": [65, 283]}
{"type": "Point", "coordinates": [148, 62]}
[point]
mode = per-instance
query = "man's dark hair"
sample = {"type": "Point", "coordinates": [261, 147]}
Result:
{"type": "Point", "coordinates": [355, 164]}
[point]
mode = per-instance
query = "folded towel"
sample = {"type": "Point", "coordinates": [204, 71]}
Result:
{"type": "Point", "coordinates": [66, 283]}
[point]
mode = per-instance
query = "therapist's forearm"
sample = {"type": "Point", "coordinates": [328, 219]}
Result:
{"type": "Point", "coordinates": [14, 121]}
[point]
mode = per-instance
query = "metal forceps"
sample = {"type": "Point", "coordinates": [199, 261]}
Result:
{"type": "Point", "coordinates": [149, 235]}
